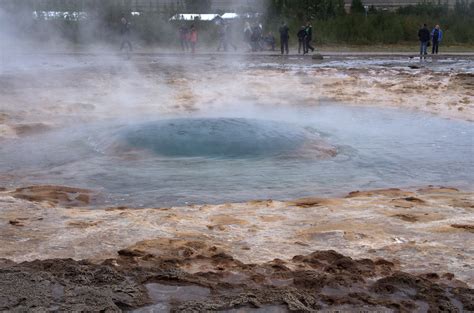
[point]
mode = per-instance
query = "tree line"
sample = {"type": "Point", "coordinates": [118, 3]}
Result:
{"type": "Point", "coordinates": [332, 23]}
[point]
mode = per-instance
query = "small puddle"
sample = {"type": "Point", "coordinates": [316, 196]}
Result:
{"type": "Point", "coordinates": [263, 309]}
{"type": "Point", "coordinates": [163, 296]}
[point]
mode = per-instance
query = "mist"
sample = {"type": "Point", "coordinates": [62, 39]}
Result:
{"type": "Point", "coordinates": [80, 92]}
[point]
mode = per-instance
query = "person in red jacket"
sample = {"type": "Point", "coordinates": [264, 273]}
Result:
{"type": "Point", "coordinates": [193, 38]}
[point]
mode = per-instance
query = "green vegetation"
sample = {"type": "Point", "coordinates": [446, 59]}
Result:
{"type": "Point", "coordinates": [331, 23]}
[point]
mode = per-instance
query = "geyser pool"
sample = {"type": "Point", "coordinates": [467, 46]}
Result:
{"type": "Point", "coordinates": [223, 137]}
{"type": "Point", "coordinates": [238, 158]}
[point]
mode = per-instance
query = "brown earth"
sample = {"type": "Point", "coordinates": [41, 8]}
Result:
{"type": "Point", "coordinates": [55, 195]}
{"type": "Point", "coordinates": [322, 280]}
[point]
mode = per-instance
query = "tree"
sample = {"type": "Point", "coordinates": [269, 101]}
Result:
{"type": "Point", "coordinates": [357, 6]}
{"type": "Point", "coordinates": [198, 6]}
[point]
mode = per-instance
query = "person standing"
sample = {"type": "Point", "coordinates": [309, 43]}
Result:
{"type": "Point", "coordinates": [183, 38]}
{"type": "Point", "coordinates": [309, 37]}
{"type": "Point", "coordinates": [222, 37]}
{"type": "Point", "coordinates": [424, 37]}
{"type": "Point", "coordinates": [301, 39]}
{"type": "Point", "coordinates": [248, 35]}
{"type": "Point", "coordinates": [270, 41]}
{"type": "Point", "coordinates": [193, 38]}
{"type": "Point", "coordinates": [125, 34]}
{"type": "Point", "coordinates": [436, 36]}
{"type": "Point", "coordinates": [284, 37]}
{"type": "Point", "coordinates": [229, 35]}
{"type": "Point", "coordinates": [256, 37]}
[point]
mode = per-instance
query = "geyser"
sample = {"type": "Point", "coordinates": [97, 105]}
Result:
{"type": "Point", "coordinates": [223, 137]}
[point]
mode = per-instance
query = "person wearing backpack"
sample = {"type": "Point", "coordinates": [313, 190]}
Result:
{"type": "Point", "coordinates": [309, 37]}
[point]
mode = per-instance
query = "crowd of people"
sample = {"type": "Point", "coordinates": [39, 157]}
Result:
{"type": "Point", "coordinates": [428, 38]}
{"type": "Point", "coordinates": [255, 39]}
{"type": "Point", "coordinates": [188, 38]}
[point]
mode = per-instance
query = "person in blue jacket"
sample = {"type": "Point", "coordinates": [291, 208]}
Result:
{"type": "Point", "coordinates": [436, 36]}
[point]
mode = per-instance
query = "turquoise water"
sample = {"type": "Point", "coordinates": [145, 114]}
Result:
{"type": "Point", "coordinates": [281, 154]}
{"type": "Point", "coordinates": [217, 138]}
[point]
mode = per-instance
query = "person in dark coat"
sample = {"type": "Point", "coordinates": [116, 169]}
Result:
{"type": "Point", "coordinates": [436, 36]}
{"type": "Point", "coordinates": [424, 37]}
{"type": "Point", "coordinates": [256, 37]}
{"type": "Point", "coordinates": [309, 37]}
{"type": "Point", "coordinates": [284, 37]}
{"type": "Point", "coordinates": [125, 34]}
{"type": "Point", "coordinates": [301, 39]}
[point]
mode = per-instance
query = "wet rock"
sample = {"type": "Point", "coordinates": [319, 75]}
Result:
{"type": "Point", "coordinates": [462, 203]}
{"type": "Point", "coordinates": [131, 252]}
{"type": "Point", "coordinates": [406, 217]}
{"type": "Point", "coordinates": [407, 202]}
{"type": "Point", "coordinates": [414, 199]}
{"type": "Point", "coordinates": [418, 288]}
{"type": "Point", "coordinates": [317, 56]}
{"type": "Point", "coordinates": [391, 192]}
{"type": "Point", "coordinates": [30, 129]}
{"type": "Point", "coordinates": [440, 189]}
{"type": "Point", "coordinates": [175, 250]}
{"type": "Point", "coordinates": [67, 285]}
{"type": "Point", "coordinates": [311, 202]}
{"type": "Point", "coordinates": [62, 195]}
{"type": "Point", "coordinates": [322, 280]}
{"type": "Point", "coordinates": [16, 223]}
{"type": "Point", "coordinates": [83, 224]}
{"type": "Point", "coordinates": [466, 227]}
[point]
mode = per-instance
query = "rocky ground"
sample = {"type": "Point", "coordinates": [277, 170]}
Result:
{"type": "Point", "coordinates": [56, 90]}
{"type": "Point", "coordinates": [384, 250]}
{"type": "Point", "coordinates": [389, 250]}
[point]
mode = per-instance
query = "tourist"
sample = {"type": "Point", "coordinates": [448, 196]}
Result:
{"type": "Point", "coordinates": [183, 38]}
{"type": "Point", "coordinates": [125, 34]}
{"type": "Point", "coordinates": [301, 39]}
{"type": "Point", "coordinates": [270, 41]}
{"type": "Point", "coordinates": [256, 37]}
{"type": "Point", "coordinates": [193, 38]}
{"type": "Point", "coordinates": [424, 37]}
{"type": "Point", "coordinates": [284, 37]}
{"type": "Point", "coordinates": [309, 37]}
{"type": "Point", "coordinates": [436, 36]}
{"type": "Point", "coordinates": [229, 36]}
{"type": "Point", "coordinates": [221, 32]}
{"type": "Point", "coordinates": [248, 35]}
